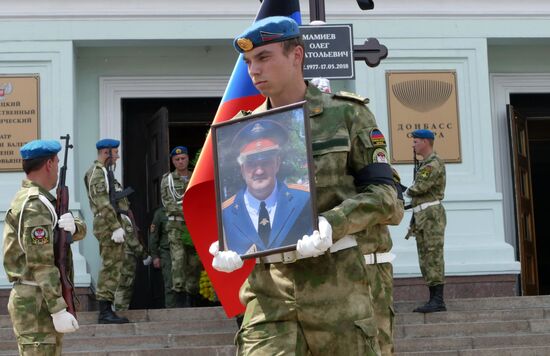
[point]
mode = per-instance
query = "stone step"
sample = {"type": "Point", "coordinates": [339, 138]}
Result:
{"type": "Point", "coordinates": [187, 351]}
{"type": "Point", "coordinates": [453, 343]}
{"type": "Point", "coordinates": [469, 304]}
{"type": "Point", "coordinates": [138, 342]}
{"type": "Point", "coordinates": [508, 351]}
{"type": "Point", "coordinates": [472, 316]}
{"type": "Point", "coordinates": [471, 329]}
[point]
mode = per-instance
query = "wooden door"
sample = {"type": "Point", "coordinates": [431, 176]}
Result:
{"type": "Point", "coordinates": [157, 156]}
{"type": "Point", "coordinates": [523, 191]}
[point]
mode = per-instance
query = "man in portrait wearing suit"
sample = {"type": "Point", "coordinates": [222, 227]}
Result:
{"type": "Point", "coordinates": [266, 213]}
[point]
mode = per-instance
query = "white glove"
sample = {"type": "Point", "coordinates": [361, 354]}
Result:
{"type": "Point", "coordinates": [148, 261]}
{"type": "Point", "coordinates": [66, 222]}
{"type": "Point", "coordinates": [118, 235]}
{"type": "Point", "coordinates": [224, 261]}
{"type": "Point", "coordinates": [64, 322]}
{"type": "Point", "coordinates": [317, 243]}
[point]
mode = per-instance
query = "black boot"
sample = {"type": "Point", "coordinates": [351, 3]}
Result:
{"type": "Point", "coordinates": [182, 300]}
{"type": "Point", "coordinates": [107, 315]}
{"type": "Point", "coordinates": [436, 302]}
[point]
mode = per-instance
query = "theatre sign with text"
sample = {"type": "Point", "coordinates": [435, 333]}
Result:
{"type": "Point", "coordinates": [19, 117]}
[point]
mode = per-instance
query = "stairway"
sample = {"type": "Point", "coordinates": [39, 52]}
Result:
{"type": "Point", "coordinates": [190, 331]}
{"type": "Point", "coordinates": [518, 326]}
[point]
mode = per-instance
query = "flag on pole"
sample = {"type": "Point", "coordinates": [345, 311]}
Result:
{"type": "Point", "coordinates": [199, 204]}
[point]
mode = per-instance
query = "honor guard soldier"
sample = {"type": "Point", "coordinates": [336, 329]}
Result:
{"type": "Point", "coordinates": [429, 218]}
{"type": "Point", "coordinates": [186, 266]}
{"type": "Point", "coordinates": [36, 305]}
{"type": "Point", "coordinates": [110, 228]}
{"type": "Point", "coordinates": [320, 303]}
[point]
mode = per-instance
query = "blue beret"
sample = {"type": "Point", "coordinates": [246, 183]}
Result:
{"type": "Point", "coordinates": [423, 134]}
{"type": "Point", "coordinates": [259, 139]}
{"type": "Point", "coordinates": [178, 150]}
{"type": "Point", "coordinates": [107, 143]}
{"type": "Point", "coordinates": [265, 31]}
{"type": "Point", "coordinates": [40, 148]}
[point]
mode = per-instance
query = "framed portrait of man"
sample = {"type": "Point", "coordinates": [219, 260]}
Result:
{"type": "Point", "coordinates": [264, 181]}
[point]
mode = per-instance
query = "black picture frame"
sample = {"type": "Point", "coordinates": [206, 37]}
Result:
{"type": "Point", "coordinates": [261, 155]}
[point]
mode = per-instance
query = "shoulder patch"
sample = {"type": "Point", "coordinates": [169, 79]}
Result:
{"type": "Point", "coordinates": [351, 96]}
{"type": "Point", "coordinates": [40, 236]}
{"type": "Point", "coordinates": [229, 201]}
{"type": "Point", "coordinates": [377, 137]}
{"type": "Point", "coordinates": [425, 171]}
{"type": "Point", "coordinates": [302, 187]}
{"type": "Point", "coordinates": [380, 156]}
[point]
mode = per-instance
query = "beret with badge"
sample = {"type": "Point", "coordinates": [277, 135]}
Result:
{"type": "Point", "coordinates": [39, 148]}
{"type": "Point", "coordinates": [268, 30]}
{"type": "Point", "coordinates": [107, 143]}
{"type": "Point", "coordinates": [423, 134]}
{"type": "Point", "coordinates": [178, 150]}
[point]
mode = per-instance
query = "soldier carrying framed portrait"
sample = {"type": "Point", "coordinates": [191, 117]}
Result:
{"type": "Point", "coordinates": [264, 181]}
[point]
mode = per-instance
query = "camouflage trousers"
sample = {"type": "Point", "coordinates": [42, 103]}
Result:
{"type": "Point", "coordinates": [192, 270]}
{"type": "Point", "coordinates": [125, 289]}
{"type": "Point", "coordinates": [175, 233]}
{"type": "Point", "coordinates": [314, 306]}
{"type": "Point", "coordinates": [380, 277]}
{"type": "Point", "coordinates": [429, 232]}
{"type": "Point", "coordinates": [32, 322]}
{"type": "Point", "coordinates": [112, 256]}
{"type": "Point", "coordinates": [170, 295]}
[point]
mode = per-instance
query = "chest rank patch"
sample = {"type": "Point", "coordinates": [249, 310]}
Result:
{"type": "Point", "coordinates": [426, 171]}
{"type": "Point", "coordinates": [379, 156]}
{"type": "Point", "coordinates": [40, 236]}
{"type": "Point", "coordinates": [377, 138]}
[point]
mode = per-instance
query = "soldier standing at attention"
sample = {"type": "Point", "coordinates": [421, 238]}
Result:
{"type": "Point", "coordinates": [109, 229]}
{"type": "Point", "coordinates": [186, 265]}
{"type": "Point", "coordinates": [318, 302]}
{"type": "Point", "coordinates": [430, 220]}
{"type": "Point", "coordinates": [37, 309]}
{"type": "Point", "coordinates": [160, 251]}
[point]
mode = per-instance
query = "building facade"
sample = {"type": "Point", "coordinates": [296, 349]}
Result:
{"type": "Point", "coordinates": [115, 68]}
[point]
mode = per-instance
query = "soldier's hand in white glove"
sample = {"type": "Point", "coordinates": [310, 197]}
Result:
{"type": "Point", "coordinates": [224, 261]}
{"type": "Point", "coordinates": [317, 243]}
{"type": "Point", "coordinates": [66, 222]}
{"type": "Point", "coordinates": [64, 322]}
{"type": "Point", "coordinates": [118, 235]}
{"type": "Point", "coordinates": [148, 261]}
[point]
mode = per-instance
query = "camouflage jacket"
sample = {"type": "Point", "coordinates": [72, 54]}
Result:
{"type": "Point", "coordinates": [429, 184]}
{"type": "Point", "coordinates": [106, 220]}
{"type": "Point", "coordinates": [172, 193]}
{"type": "Point", "coordinates": [346, 139]}
{"type": "Point", "coordinates": [30, 257]}
{"type": "Point", "coordinates": [158, 233]}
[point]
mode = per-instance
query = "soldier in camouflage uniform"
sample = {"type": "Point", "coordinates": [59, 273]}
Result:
{"type": "Point", "coordinates": [110, 229]}
{"type": "Point", "coordinates": [316, 305]}
{"type": "Point", "coordinates": [186, 265]}
{"type": "Point", "coordinates": [160, 251]}
{"type": "Point", "coordinates": [36, 306]}
{"type": "Point", "coordinates": [429, 218]}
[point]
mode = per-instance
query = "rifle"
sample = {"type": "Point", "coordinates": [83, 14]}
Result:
{"type": "Point", "coordinates": [416, 166]}
{"type": "Point", "coordinates": [62, 238]}
{"type": "Point", "coordinates": [115, 196]}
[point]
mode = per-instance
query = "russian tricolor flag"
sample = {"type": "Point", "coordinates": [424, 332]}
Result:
{"type": "Point", "coordinates": [199, 204]}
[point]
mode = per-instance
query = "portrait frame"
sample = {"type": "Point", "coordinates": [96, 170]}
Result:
{"type": "Point", "coordinates": [266, 157]}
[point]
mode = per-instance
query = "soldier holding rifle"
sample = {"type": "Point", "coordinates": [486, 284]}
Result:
{"type": "Point", "coordinates": [429, 219]}
{"type": "Point", "coordinates": [36, 305]}
{"type": "Point", "coordinates": [109, 228]}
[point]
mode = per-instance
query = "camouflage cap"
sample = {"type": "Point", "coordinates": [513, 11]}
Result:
{"type": "Point", "coordinates": [269, 30]}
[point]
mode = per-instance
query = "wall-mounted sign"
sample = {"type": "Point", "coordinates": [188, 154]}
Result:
{"type": "Point", "coordinates": [328, 51]}
{"type": "Point", "coordinates": [423, 100]}
{"type": "Point", "coordinates": [19, 116]}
